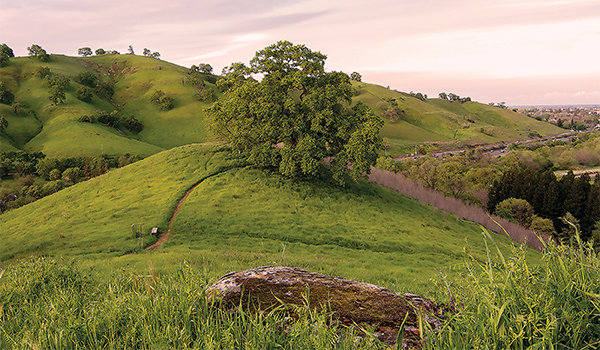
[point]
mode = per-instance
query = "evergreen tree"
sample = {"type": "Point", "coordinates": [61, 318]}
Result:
{"type": "Point", "coordinates": [576, 196]}
{"type": "Point", "coordinates": [592, 210]}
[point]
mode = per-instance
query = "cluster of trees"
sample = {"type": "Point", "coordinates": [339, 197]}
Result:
{"type": "Point", "coordinates": [38, 176]}
{"type": "Point", "coordinates": [550, 198]}
{"type": "Point", "coordinates": [196, 76]}
{"type": "Point", "coordinates": [418, 95]}
{"type": "Point", "coordinates": [296, 116]}
{"type": "Point", "coordinates": [203, 68]}
{"type": "Point", "coordinates": [86, 51]}
{"type": "Point", "coordinates": [151, 54]}
{"type": "Point", "coordinates": [355, 76]}
{"type": "Point", "coordinates": [114, 119]}
{"type": "Point", "coordinates": [36, 50]}
{"type": "Point", "coordinates": [391, 110]}
{"type": "Point", "coordinates": [499, 105]}
{"type": "Point", "coordinates": [162, 100]}
{"type": "Point", "coordinates": [5, 54]}
{"type": "Point", "coordinates": [452, 97]}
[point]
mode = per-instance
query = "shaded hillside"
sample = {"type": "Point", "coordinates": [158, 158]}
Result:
{"type": "Point", "coordinates": [240, 217]}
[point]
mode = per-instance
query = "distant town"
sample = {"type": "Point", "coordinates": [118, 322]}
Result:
{"type": "Point", "coordinates": [578, 117]}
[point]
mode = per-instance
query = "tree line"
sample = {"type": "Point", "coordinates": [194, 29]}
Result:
{"type": "Point", "coordinates": [570, 199]}
{"type": "Point", "coordinates": [37, 176]}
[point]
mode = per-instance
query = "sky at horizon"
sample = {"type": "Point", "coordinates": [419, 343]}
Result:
{"type": "Point", "coordinates": [521, 52]}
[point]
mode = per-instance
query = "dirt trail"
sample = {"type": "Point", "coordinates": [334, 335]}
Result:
{"type": "Point", "coordinates": [162, 237]}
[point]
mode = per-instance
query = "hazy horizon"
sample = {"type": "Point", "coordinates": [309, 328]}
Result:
{"type": "Point", "coordinates": [521, 53]}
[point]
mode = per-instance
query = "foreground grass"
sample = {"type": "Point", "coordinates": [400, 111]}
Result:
{"type": "Point", "coordinates": [502, 303]}
{"type": "Point", "coordinates": [51, 304]}
{"type": "Point", "coordinates": [507, 303]}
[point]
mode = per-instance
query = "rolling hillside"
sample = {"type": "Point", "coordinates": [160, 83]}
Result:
{"type": "Point", "coordinates": [239, 217]}
{"type": "Point", "coordinates": [54, 130]}
{"type": "Point", "coordinates": [437, 120]}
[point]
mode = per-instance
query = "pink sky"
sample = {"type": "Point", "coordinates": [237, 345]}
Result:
{"type": "Point", "coordinates": [522, 52]}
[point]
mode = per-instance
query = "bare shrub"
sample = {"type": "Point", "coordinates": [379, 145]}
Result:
{"type": "Point", "coordinates": [416, 190]}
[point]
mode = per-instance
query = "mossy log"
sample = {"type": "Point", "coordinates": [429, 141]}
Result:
{"type": "Point", "coordinates": [349, 302]}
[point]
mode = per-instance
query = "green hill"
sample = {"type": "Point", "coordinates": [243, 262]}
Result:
{"type": "Point", "coordinates": [54, 130]}
{"type": "Point", "coordinates": [437, 120]}
{"type": "Point", "coordinates": [239, 217]}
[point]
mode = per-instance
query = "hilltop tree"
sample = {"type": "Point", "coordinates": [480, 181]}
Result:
{"type": "Point", "coordinates": [5, 54]}
{"type": "Point", "coordinates": [296, 116]}
{"type": "Point", "coordinates": [36, 50]}
{"type": "Point", "coordinates": [443, 95]}
{"type": "Point", "coordinates": [356, 76]}
{"type": "Point", "coordinates": [205, 68]}
{"type": "Point", "coordinates": [130, 50]}
{"type": "Point", "coordinates": [84, 51]}
{"type": "Point", "coordinates": [99, 52]}
{"type": "Point", "coordinates": [147, 52]}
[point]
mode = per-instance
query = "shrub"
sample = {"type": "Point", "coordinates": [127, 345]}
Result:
{"type": "Point", "coordinates": [86, 118]}
{"type": "Point", "coordinates": [42, 72]}
{"type": "Point", "coordinates": [208, 95]}
{"type": "Point", "coordinates": [84, 93]}
{"type": "Point", "coordinates": [111, 119]}
{"type": "Point", "coordinates": [105, 89]}
{"type": "Point", "coordinates": [520, 210]}
{"type": "Point", "coordinates": [132, 124]}
{"type": "Point", "coordinates": [388, 163]}
{"type": "Point", "coordinates": [54, 175]}
{"type": "Point", "coordinates": [87, 78]}
{"type": "Point", "coordinates": [52, 187]}
{"type": "Point", "coordinates": [72, 175]}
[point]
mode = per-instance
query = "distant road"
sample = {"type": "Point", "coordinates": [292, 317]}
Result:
{"type": "Point", "coordinates": [496, 149]}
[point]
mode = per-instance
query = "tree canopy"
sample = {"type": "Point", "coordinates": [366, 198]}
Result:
{"type": "Point", "coordinates": [296, 116]}
{"type": "Point", "coordinates": [84, 51]}
{"type": "Point", "coordinates": [5, 54]}
{"type": "Point", "coordinates": [36, 50]}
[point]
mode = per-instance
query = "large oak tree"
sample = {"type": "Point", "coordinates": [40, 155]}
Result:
{"type": "Point", "coordinates": [296, 116]}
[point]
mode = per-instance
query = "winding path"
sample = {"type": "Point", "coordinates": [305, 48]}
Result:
{"type": "Point", "coordinates": [162, 237]}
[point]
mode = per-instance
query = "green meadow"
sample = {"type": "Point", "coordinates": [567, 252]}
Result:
{"type": "Point", "coordinates": [437, 120]}
{"type": "Point", "coordinates": [240, 217]}
{"type": "Point", "coordinates": [74, 274]}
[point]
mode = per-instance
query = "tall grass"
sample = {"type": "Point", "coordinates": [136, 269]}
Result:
{"type": "Point", "coordinates": [51, 304]}
{"type": "Point", "coordinates": [416, 190]}
{"type": "Point", "coordinates": [510, 304]}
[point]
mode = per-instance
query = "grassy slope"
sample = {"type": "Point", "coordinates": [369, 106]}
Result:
{"type": "Point", "coordinates": [240, 218]}
{"type": "Point", "coordinates": [438, 120]}
{"type": "Point", "coordinates": [56, 131]}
